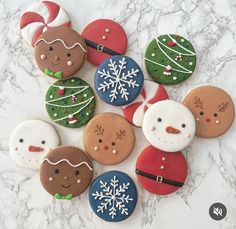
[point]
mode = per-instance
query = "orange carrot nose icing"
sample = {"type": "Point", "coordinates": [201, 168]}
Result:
{"type": "Point", "coordinates": [35, 149]}
{"type": "Point", "coordinates": [172, 130]}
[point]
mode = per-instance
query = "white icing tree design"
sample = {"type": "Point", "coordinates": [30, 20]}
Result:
{"type": "Point", "coordinates": [118, 79]}
{"type": "Point", "coordinates": [113, 197]}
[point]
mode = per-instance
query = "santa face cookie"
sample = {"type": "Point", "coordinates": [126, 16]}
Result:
{"type": "Point", "coordinates": [213, 110]}
{"type": "Point", "coordinates": [40, 17]}
{"type": "Point", "coordinates": [118, 80]}
{"type": "Point", "coordinates": [150, 94]}
{"type": "Point", "coordinates": [113, 196]}
{"type": "Point", "coordinates": [170, 59]}
{"type": "Point", "coordinates": [169, 126]}
{"type": "Point", "coordinates": [109, 138]}
{"type": "Point", "coordinates": [66, 172]}
{"type": "Point", "coordinates": [160, 172]}
{"type": "Point", "coordinates": [104, 38]}
{"type": "Point", "coordinates": [31, 141]}
{"type": "Point", "coordinates": [70, 103]}
{"type": "Point", "coordinates": [60, 52]}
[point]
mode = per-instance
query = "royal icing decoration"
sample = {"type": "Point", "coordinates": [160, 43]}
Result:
{"type": "Point", "coordinates": [39, 17]}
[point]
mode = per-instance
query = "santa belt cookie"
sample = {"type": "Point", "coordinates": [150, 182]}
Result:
{"type": "Point", "coordinates": [101, 48]}
{"type": "Point", "coordinates": [159, 179]}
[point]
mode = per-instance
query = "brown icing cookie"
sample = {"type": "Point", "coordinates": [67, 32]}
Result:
{"type": "Point", "coordinates": [213, 110]}
{"type": "Point", "coordinates": [60, 52]}
{"type": "Point", "coordinates": [109, 138]}
{"type": "Point", "coordinates": [66, 172]}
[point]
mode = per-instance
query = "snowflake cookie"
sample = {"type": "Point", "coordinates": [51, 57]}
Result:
{"type": "Point", "coordinates": [118, 80]}
{"type": "Point", "coordinates": [113, 196]}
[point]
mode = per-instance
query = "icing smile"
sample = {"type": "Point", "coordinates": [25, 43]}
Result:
{"type": "Point", "coordinates": [54, 63]}
{"type": "Point", "coordinates": [65, 186]}
{"type": "Point", "coordinates": [35, 149]}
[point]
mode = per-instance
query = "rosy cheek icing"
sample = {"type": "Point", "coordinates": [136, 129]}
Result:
{"type": "Point", "coordinates": [43, 56]}
{"type": "Point", "coordinates": [69, 63]}
{"type": "Point", "coordinates": [78, 181]}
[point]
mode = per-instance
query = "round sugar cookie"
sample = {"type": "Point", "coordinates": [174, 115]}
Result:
{"type": "Point", "coordinates": [60, 52]}
{"type": "Point", "coordinates": [66, 172]}
{"type": "Point", "coordinates": [104, 38]}
{"type": "Point", "coordinates": [109, 138]}
{"type": "Point", "coordinates": [70, 103]}
{"type": "Point", "coordinates": [113, 196]}
{"type": "Point", "coordinates": [169, 126]}
{"type": "Point", "coordinates": [118, 80]}
{"type": "Point", "coordinates": [160, 172]}
{"type": "Point", "coordinates": [170, 59]}
{"type": "Point", "coordinates": [40, 17]}
{"type": "Point", "coordinates": [151, 93]}
{"type": "Point", "coordinates": [30, 141]}
{"type": "Point", "coordinates": [213, 110]}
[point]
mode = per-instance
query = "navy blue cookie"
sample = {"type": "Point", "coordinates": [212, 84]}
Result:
{"type": "Point", "coordinates": [113, 196]}
{"type": "Point", "coordinates": [118, 80]}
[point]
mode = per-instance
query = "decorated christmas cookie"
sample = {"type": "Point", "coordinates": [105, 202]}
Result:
{"type": "Point", "coordinates": [40, 17]}
{"type": "Point", "coordinates": [170, 59]}
{"type": "Point", "coordinates": [104, 38]}
{"type": "Point", "coordinates": [113, 196]}
{"type": "Point", "coordinates": [60, 52]}
{"type": "Point", "coordinates": [66, 172]}
{"type": "Point", "coordinates": [160, 172]}
{"type": "Point", "coordinates": [118, 80]}
{"type": "Point", "coordinates": [70, 103]}
{"type": "Point", "coordinates": [109, 138]}
{"type": "Point", "coordinates": [31, 141]}
{"type": "Point", "coordinates": [151, 93]}
{"type": "Point", "coordinates": [213, 110]}
{"type": "Point", "coordinates": [169, 126]}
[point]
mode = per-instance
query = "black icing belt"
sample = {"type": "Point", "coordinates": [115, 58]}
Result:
{"type": "Point", "coordinates": [100, 48]}
{"type": "Point", "coordinates": [159, 179]}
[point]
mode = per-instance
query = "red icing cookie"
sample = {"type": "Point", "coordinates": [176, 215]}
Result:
{"type": "Point", "coordinates": [104, 38]}
{"type": "Point", "coordinates": [160, 172]}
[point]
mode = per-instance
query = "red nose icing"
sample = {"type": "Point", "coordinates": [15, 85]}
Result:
{"type": "Point", "coordinates": [35, 149]}
{"type": "Point", "coordinates": [208, 120]}
{"type": "Point", "coordinates": [105, 147]}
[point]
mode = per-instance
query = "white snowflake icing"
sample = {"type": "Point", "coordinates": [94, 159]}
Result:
{"type": "Point", "coordinates": [118, 79]}
{"type": "Point", "coordinates": [113, 197]}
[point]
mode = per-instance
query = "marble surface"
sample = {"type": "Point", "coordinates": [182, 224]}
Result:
{"type": "Point", "coordinates": [211, 26]}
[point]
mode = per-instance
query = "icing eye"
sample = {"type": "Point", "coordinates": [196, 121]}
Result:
{"type": "Point", "coordinates": [21, 140]}
{"type": "Point", "coordinates": [183, 125]}
{"type": "Point", "coordinates": [43, 142]}
{"type": "Point", "coordinates": [77, 172]}
{"type": "Point", "coordinates": [56, 171]}
{"type": "Point", "coordinates": [100, 140]}
{"type": "Point", "coordinates": [215, 114]}
{"type": "Point", "coordinates": [113, 143]}
{"type": "Point", "coordinates": [159, 119]}
{"type": "Point", "coordinates": [201, 113]}
{"type": "Point", "coordinates": [68, 54]}
{"type": "Point", "coordinates": [50, 48]}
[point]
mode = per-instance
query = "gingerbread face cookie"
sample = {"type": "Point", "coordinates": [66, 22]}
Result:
{"type": "Point", "coordinates": [169, 126]}
{"type": "Point", "coordinates": [66, 172]}
{"type": "Point", "coordinates": [31, 141]}
{"type": "Point", "coordinates": [104, 38]}
{"type": "Point", "coordinates": [60, 52]}
{"type": "Point", "coordinates": [109, 138]}
{"type": "Point", "coordinates": [213, 110]}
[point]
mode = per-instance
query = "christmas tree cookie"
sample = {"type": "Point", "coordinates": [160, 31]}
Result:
{"type": "Point", "coordinates": [170, 59]}
{"type": "Point", "coordinates": [70, 103]}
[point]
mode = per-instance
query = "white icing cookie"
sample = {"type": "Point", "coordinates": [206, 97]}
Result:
{"type": "Point", "coordinates": [169, 126]}
{"type": "Point", "coordinates": [31, 141]}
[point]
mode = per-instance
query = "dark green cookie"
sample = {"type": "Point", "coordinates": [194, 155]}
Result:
{"type": "Point", "coordinates": [170, 59]}
{"type": "Point", "coordinates": [70, 103]}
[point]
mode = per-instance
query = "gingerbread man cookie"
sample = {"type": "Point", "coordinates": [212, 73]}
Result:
{"type": "Point", "coordinates": [213, 110]}
{"type": "Point", "coordinates": [109, 138]}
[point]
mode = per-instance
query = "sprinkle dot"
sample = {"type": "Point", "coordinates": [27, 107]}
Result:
{"type": "Point", "coordinates": [51, 96]}
{"type": "Point", "coordinates": [190, 63]}
{"type": "Point", "coordinates": [55, 114]}
{"type": "Point", "coordinates": [153, 54]}
{"type": "Point", "coordinates": [182, 40]}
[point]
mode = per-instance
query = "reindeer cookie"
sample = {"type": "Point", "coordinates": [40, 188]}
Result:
{"type": "Point", "coordinates": [109, 138]}
{"type": "Point", "coordinates": [213, 110]}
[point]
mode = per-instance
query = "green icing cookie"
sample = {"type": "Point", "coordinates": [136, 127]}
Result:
{"type": "Point", "coordinates": [70, 103]}
{"type": "Point", "coordinates": [170, 59]}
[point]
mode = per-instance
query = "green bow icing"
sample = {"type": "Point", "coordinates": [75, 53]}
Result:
{"type": "Point", "coordinates": [51, 73]}
{"type": "Point", "coordinates": [61, 197]}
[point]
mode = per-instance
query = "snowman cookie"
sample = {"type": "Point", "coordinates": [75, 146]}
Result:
{"type": "Point", "coordinates": [169, 126]}
{"type": "Point", "coordinates": [66, 172]}
{"type": "Point", "coordinates": [60, 52]}
{"type": "Point", "coordinates": [109, 138]}
{"type": "Point", "coordinates": [151, 93]}
{"type": "Point", "coordinates": [170, 59]}
{"type": "Point", "coordinates": [160, 172]}
{"type": "Point", "coordinates": [31, 141]}
{"type": "Point", "coordinates": [213, 110]}
{"type": "Point", "coordinates": [104, 38]}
